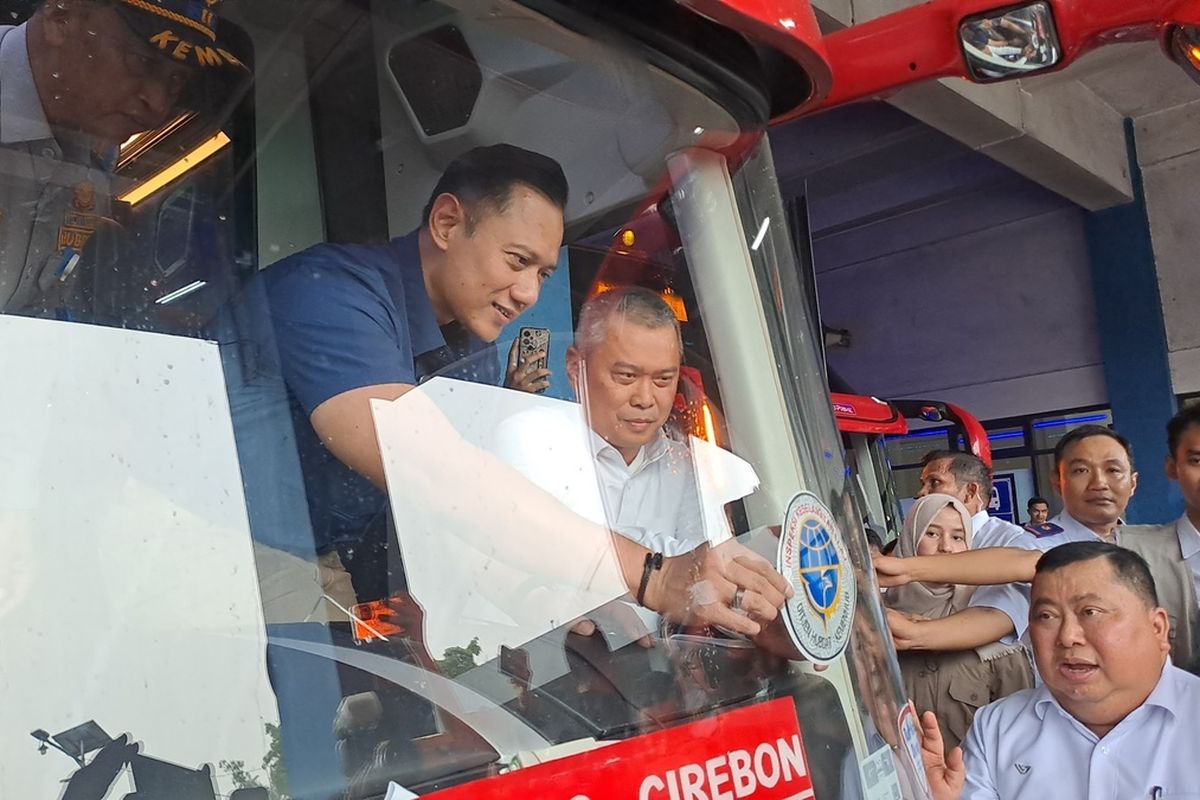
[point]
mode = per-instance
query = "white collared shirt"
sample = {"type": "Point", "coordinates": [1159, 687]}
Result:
{"type": "Point", "coordinates": [1013, 598]}
{"type": "Point", "coordinates": [652, 500]}
{"type": "Point", "coordinates": [1189, 546]}
{"type": "Point", "coordinates": [992, 531]}
{"type": "Point", "coordinates": [1073, 531]}
{"type": "Point", "coordinates": [1027, 747]}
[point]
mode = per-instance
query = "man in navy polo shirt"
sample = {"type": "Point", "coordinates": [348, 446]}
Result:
{"type": "Point", "coordinates": [356, 323]}
{"type": "Point", "coordinates": [359, 322]}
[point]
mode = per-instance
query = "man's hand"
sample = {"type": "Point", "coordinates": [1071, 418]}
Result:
{"type": "Point", "coordinates": [962, 630]}
{"type": "Point", "coordinates": [946, 773]}
{"type": "Point", "coordinates": [698, 588]}
{"type": "Point", "coordinates": [522, 374]}
{"type": "Point", "coordinates": [891, 571]}
{"type": "Point", "coordinates": [904, 628]}
{"type": "Point", "coordinates": [615, 617]}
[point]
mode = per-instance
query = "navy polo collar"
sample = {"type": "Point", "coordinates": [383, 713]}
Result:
{"type": "Point", "coordinates": [407, 287]}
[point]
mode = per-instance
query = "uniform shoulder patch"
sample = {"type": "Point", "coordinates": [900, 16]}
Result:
{"type": "Point", "coordinates": [1043, 529]}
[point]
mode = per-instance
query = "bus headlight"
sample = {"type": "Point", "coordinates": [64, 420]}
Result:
{"type": "Point", "coordinates": [1183, 44]}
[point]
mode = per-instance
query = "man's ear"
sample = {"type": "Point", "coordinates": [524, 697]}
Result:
{"type": "Point", "coordinates": [1162, 628]}
{"type": "Point", "coordinates": [1056, 482]}
{"type": "Point", "coordinates": [1170, 468]}
{"type": "Point", "coordinates": [447, 218]}
{"type": "Point", "coordinates": [574, 367]}
{"type": "Point", "coordinates": [972, 494]}
{"type": "Point", "coordinates": [1133, 484]}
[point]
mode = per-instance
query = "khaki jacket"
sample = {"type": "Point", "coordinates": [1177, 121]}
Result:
{"type": "Point", "coordinates": [956, 684]}
{"type": "Point", "coordinates": [1176, 585]}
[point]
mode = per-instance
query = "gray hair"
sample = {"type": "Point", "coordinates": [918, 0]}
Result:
{"type": "Point", "coordinates": [634, 304]}
{"type": "Point", "coordinates": [965, 467]}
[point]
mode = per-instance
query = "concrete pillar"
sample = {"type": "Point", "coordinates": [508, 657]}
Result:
{"type": "Point", "coordinates": [1133, 341]}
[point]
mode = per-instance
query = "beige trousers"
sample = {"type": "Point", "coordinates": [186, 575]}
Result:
{"type": "Point", "coordinates": [294, 589]}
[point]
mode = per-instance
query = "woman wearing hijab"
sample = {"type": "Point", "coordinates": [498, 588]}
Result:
{"type": "Point", "coordinates": [952, 684]}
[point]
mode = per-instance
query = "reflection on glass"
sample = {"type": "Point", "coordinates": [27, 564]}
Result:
{"type": "Point", "coordinates": [1014, 43]}
{"type": "Point", "coordinates": [158, 476]}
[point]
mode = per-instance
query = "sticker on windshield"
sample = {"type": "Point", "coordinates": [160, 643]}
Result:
{"type": "Point", "coordinates": [880, 780]}
{"type": "Point", "coordinates": [912, 744]}
{"type": "Point", "coordinates": [813, 558]}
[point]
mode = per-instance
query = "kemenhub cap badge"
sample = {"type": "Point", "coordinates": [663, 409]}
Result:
{"type": "Point", "coordinates": [813, 559]}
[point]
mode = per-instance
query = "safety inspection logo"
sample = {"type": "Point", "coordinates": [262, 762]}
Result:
{"type": "Point", "coordinates": [814, 560]}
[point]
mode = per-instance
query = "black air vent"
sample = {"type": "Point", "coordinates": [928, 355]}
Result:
{"type": "Point", "coordinates": [439, 78]}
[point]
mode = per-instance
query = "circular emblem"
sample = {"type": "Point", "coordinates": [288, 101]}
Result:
{"type": "Point", "coordinates": [814, 560]}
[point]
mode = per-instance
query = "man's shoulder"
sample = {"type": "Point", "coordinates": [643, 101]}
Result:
{"type": "Point", "coordinates": [327, 271]}
{"type": "Point", "coordinates": [1007, 712]}
{"type": "Point", "coordinates": [1187, 691]}
{"type": "Point", "coordinates": [999, 532]}
{"type": "Point", "coordinates": [1151, 541]}
{"type": "Point", "coordinates": [337, 259]}
{"type": "Point", "coordinates": [1163, 530]}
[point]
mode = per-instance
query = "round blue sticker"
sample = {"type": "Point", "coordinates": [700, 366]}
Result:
{"type": "Point", "coordinates": [813, 558]}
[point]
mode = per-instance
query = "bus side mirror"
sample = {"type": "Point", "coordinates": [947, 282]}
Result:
{"type": "Point", "coordinates": [1183, 44]}
{"type": "Point", "coordinates": [1010, 42]}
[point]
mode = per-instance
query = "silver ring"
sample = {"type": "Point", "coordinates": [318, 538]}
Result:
{"type": "Point", "coordinates": [740, 593]}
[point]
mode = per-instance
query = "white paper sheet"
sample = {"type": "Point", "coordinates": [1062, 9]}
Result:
{"type": "Point", "coordinates": [498, 511]}
{"type": "Point", "coordinates": [128, 594]}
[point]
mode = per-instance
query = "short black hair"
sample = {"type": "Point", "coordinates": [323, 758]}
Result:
{"type": "Point", "coordinates": [965, 467]}
{"type": "Point", "coordinates": [873, 537]}
{"type": "Point", "coordinates": [1033, 501]}
{"type": "Point", "coordinates": [1186, 418]}
{"type": "Point", "coordinates": [487, 175]}
{"type": "Point", "coordinates": [1130, 568]}
{"type": "Point", "coordinates": [1086, 432]}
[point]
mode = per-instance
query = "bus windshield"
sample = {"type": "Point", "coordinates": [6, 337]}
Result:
{"type": "Point", "coordinates": [422, 399]}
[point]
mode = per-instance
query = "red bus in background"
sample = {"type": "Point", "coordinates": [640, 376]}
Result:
{"type": "Point", "coordinates": [865, 422]}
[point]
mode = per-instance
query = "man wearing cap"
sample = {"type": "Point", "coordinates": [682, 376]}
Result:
{"type": "Point", "coordinates": [76, 80]}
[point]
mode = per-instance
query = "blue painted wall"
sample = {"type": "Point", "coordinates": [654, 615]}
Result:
{"type": "Point", "coordinates": [1133, 342]}
{"type": "Point", "coordinates": [553, 311]}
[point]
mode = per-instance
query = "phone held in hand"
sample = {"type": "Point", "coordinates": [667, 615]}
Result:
{"type": "Point", "coordinates": [531, 341]}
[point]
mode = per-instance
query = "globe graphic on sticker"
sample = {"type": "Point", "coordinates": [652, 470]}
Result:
{"type": "Point", "coordinates": [819, 566]}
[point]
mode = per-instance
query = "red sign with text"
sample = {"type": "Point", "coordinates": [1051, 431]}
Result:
{"type": "Point", "coordinates": [751, 752]}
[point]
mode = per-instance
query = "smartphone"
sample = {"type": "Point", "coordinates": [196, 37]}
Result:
{"type": "Point", "coordinates": [531, 341]}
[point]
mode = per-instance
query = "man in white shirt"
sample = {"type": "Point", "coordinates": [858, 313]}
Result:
{"type": "Point", "coordinates": [624, 368]}
{"type": "Point", "coordinates": [1094, 466]}
{"type": "Point", "coordinates": [1173, 549]}
{"type": "Point", "coordinates": [965, 476]}
{"type": "Point", "coordinates": [1183, 466]}
{"type": "Point", "coordinates": [1114, 719]}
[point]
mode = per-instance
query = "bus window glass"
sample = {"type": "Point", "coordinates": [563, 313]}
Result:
{"type": "Point", "coordinates": [455, 399]}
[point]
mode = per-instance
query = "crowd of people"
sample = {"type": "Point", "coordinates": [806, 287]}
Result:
{"type": "Point", "coordinates": [1109, 611]}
